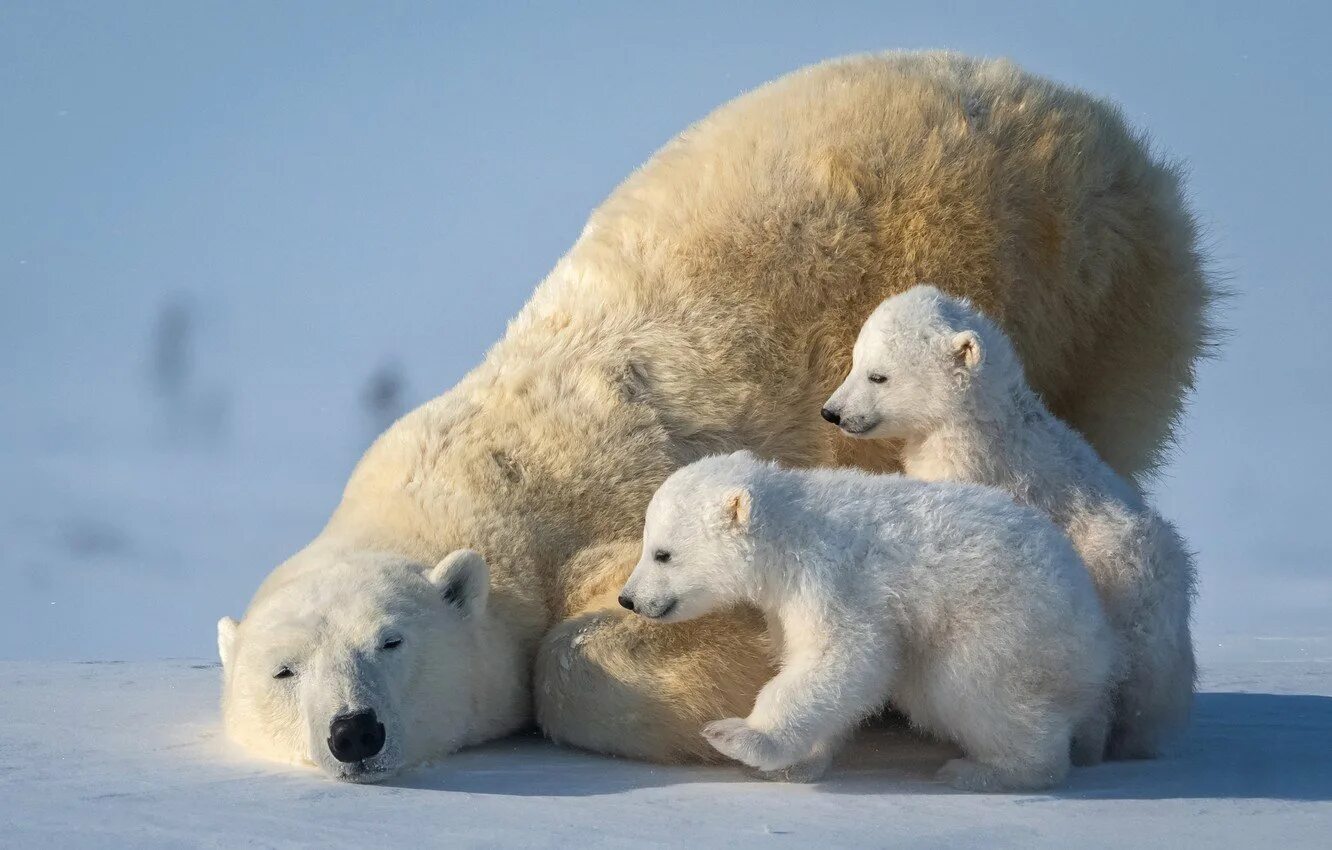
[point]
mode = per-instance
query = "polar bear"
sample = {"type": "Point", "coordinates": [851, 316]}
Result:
{"type": "Point", "coordinates": [710, 305]}
{"type": "Point", "coordinates": [373, 667]}
{"type": "Point", "coordinates": [932, 371]}
{"type": "Point", "coordinates": [973, 612]}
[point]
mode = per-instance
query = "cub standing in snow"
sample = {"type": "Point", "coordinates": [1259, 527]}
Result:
{"type": "Point", "coordinates": [971, 612]}
{"type": "Point", "coordinates": [932, 371]}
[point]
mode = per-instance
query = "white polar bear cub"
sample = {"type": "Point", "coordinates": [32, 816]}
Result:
{"type": "Point", "coordinates": [934, 372]}
{"type": "Point", "coordinates": [972, 613]}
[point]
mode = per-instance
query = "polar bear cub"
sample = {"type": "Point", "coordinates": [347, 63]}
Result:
{"type": "Point", "coordinates": [934, 372]}
{"type": "Point", "coordinates": [972, 613]}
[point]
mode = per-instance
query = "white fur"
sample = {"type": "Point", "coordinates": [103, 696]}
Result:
{"type": "Point", "coordinates": [329, 628]}
{"type": "Point", "coordinates": [955, 392]}
{"type": "Point", "coordinates": [710, 305]}
{"type": "Point", "coordinates": [971, 612]}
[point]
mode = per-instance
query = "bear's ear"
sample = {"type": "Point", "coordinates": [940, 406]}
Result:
{"type": "Point", "coordinates": [226, 639]}
{"type": "Point", "coordinates": [737, 505]}
{"type": "Point", "coordinates": [463, 580]}
{"type": "Point", "coordinates": [967, 352]}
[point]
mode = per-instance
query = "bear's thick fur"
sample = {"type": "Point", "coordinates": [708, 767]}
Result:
{"type": "Point", "coordinates": [711, 304]}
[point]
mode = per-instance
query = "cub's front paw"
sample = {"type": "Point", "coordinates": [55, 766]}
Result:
{"type": "Point", "coordinates": [734, 737]}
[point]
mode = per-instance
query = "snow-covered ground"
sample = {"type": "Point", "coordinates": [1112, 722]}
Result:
{"type": "Point", "coordinates": [130, 754]}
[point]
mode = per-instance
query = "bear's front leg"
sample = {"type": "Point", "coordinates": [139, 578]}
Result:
{"type": "Point", "coordinates": [612, 682]}
{"type": "Point", "coordinates": [615, 683]}
{"type": "Point", "coordinates": [831, 678]}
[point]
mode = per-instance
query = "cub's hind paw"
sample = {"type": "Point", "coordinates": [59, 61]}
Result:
{"type": "Point", "coordinates": [967, 775]}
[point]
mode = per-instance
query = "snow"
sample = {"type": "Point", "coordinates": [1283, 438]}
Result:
{"type": "Point", "coordinates": [131, 754]}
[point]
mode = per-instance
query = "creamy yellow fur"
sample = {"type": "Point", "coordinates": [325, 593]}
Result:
{"type": "Point", "coordinates": [711, 305]}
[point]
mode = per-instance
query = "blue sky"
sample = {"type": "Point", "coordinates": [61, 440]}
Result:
{"type": "Point", "coordinates": [337, 186]}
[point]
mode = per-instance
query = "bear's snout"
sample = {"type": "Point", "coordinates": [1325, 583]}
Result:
{"type": "Point", "coordinates": [626, 601]}
{"type": "Point", "coordinates": [655, 609]}
{"type": "Point", "coordinates": [831, 415]}
{"type": "Point", "coordinates": [357, 736]}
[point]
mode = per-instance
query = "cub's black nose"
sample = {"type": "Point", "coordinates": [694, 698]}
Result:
{"type": "Point", "coordinates": [627, 601]}
{"type": "Point", "coordinates": [832, 416]}
{"type": "Point", "coordinates": [352, 737]}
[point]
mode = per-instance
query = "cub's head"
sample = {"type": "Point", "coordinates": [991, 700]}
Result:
{"type": "Point", "coordinates": [361, 665]}
{"type": "Point", "coordinates": [922, 359]}
{"type": "Point", "coordinates": [697, 541]}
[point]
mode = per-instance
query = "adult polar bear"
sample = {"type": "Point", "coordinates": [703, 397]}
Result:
{"type": "Point", "coordinates": [710, 305]}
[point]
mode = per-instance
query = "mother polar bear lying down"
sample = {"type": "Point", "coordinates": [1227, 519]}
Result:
{"type": "Point", "coordinates": [710, 305]}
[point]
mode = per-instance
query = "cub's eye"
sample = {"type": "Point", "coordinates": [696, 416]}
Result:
{"type": "Point", "coordinates": [661, 556]}
{"type": "Point", "coordinates": [392, 643]}
{"type": "Point", "coordinates": [876, 378]}
{"type": "Point", "coordinates": [284, 673]}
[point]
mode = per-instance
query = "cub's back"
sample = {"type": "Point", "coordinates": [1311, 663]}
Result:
{"type": "Point", "coordinates": [971, 536]}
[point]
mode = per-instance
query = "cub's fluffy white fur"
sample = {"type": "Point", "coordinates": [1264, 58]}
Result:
{"type": "Point", "coordinates": [933, 371]}
{"type": "Point", "coordinates": [971, 612]}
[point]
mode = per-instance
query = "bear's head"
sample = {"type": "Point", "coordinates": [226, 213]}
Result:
{"type": "Point", "coordinates": [360, 667]}
{"type": "Point", "coordinates": [697, 541]}
{"type": "Point", "coordinates": [922, 360]}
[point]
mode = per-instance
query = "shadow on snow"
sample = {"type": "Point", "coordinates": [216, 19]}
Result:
{"type": "Point", "coordinates": [1240, 746]}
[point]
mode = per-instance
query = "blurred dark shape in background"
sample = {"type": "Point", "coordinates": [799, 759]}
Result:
{"type": "Point", "coordinates": [382, 398]}
{"type": "Point", "coordinates": [173, 348]}
{"type": "Point", "coordinates": [188, 413]}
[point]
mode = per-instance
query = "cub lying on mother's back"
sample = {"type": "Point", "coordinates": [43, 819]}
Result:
{"type": "Point", "coordinates": [971, 612]}
{"type": "Point", "coordinates": [933, 371]}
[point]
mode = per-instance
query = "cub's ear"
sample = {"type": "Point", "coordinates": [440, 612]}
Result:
{"type": "Point", "coordinates": [737, 505]}
{"type": "Point", "coordinates": [463, 580]}
{"type": "Point", "coordinates": [967, 352]}
{"type": "Point", "coordinates": [226, 639]}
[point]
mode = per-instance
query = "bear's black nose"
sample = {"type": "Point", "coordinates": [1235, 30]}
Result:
{"type": "Point", "coordinates": [832, 416]}
{"type": "Point", "coordinates": [352, 737]}
{"type": "Point", "coordinates": [627, 601]}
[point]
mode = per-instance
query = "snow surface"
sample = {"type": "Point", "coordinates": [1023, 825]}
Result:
{"type": "Point", "coordinates": [111, 754]}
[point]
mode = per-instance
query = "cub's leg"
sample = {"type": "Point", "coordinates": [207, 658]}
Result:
{"type": "Point", "coordinates": [1015, 730]}
{"type": "Point", "coordinates": [1031, 764]}
{"type": "Point", "coordinates": [1156, 693]}
{"type": "Point", "coordinates": [611, 682]}
{"type": "Point", "coordinates": [1154, 699]}
{"type": "Point", "coordinates": [831, 679]}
